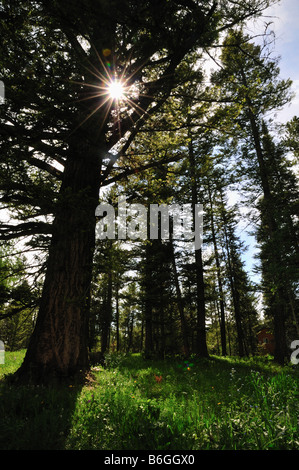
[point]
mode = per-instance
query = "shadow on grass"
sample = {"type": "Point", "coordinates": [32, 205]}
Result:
{"type": "Point", "coordinates": [36, 417]}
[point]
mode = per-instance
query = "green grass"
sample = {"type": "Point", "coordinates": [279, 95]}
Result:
{"type": "Point", "coordinates": [12, 361]}
{"type": "Point", "coordinates": [220, 403]}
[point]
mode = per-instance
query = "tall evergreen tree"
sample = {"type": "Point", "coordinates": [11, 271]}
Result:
{"type": "Point", "coordinates": [60, 122]}
{"type": "Point", "coordinates": [285, 191]}
{"type": "Point", "coordinates": [251, 82]}
{"type": "Point", "coordinates": [292, 136]}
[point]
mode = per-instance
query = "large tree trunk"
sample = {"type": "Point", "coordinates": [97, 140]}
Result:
{"type": "Point", "coordinates": [59, 344]}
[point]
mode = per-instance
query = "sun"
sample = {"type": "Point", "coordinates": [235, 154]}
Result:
{"type": "Point", "coordinates": [117, 94]}
{"type": "Point", "coordinates": [116, 90]}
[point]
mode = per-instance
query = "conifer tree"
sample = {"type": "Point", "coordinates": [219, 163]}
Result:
{"type": "Point", "coordinates": [62, 133]}
{"type": "Point", "coordinates": [251, 82]}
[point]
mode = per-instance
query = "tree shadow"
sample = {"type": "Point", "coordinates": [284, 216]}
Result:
{"type": "Point", "coordinates": [35, 417]}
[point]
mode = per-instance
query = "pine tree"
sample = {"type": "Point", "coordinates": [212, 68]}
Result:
{"type": "Point", "coordinates": [252, 84]}
{"type": "Point", "coordinates": [291, 139]}
{"type": "Point", "coordinates": [56, 124]}
{"type": "Point", "coordinates": [284, 188]}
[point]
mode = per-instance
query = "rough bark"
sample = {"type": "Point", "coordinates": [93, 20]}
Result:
{"type": "Point", "coordinates": [59, 343]}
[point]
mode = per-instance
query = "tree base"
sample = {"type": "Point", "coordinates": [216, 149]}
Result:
{"type": "Point", "coordinates": [39, 374]}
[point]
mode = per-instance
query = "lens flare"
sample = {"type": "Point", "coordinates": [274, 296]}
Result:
{"type": "Point", "coordinates": [116, 93]}
{"type": "Point", "coordinates": [116, 90]}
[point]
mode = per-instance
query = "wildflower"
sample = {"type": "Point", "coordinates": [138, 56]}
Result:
{"type": "Point", "coordinates": [188, 365]}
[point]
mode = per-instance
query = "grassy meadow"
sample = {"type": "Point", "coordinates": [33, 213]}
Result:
{"type": "Point", "coordinates": [137, 404]}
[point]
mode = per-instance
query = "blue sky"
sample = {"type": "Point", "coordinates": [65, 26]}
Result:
{"type": "Point", "coordinates": [285, 17]}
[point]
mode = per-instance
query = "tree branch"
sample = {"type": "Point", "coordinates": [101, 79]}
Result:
{"type": "Point", "coordinates": [131, 171]}
{"type": "Point", "coordinates": [18, 310]}
{"type": "Point", "coordinates": [9, 231]}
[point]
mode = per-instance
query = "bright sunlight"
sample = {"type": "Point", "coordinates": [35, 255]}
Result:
{"type": "Point", "coordinates": [116, 90]}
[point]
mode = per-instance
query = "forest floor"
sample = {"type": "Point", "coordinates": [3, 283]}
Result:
{"type": "Point", "coordinates": [137, 404]}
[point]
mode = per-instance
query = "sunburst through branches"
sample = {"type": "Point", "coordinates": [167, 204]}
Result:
{"type": "Point", "coordinates": [116, 90]}
{"type": "Point", "coordinates": [117, 94]}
